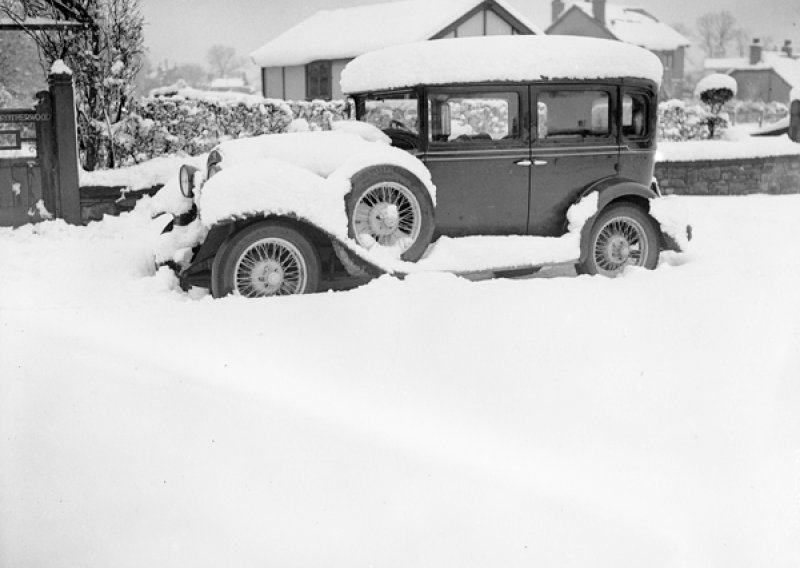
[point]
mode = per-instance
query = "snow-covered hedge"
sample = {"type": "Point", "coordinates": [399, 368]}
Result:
{"type": "Point", "coordinates": [679, 121]}
{"type": "Point", "coordinates": [193, 122]}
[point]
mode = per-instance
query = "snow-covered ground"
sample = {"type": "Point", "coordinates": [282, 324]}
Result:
{"type": "Point", "coordinates": [650, 420]}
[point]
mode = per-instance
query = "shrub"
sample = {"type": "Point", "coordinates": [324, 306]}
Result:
{"type": "Point", "coordinates": [174, 120]}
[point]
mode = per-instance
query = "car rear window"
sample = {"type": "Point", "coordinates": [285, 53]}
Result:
{"type": "Point", "coordinates": [573, 113]}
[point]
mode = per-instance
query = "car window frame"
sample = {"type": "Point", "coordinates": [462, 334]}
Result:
{"type": "Point", "coordinates": [520, 89]}
{"type": "Point", "coordinates": [615, 116]}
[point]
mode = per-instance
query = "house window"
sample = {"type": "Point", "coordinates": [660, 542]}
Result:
{"type": "Point", "coordinates": [318, 80]}
{"type": "Point", "coordinates": [668, 59]}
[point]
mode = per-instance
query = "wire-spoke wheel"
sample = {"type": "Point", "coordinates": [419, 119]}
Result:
{"type": "Point", "coordinates": [623, 235]}
{"type": "Point", "coordinates": [266, 259]}
{"type": "Point", "coordinates": [270, 267]}
{"type": "Point", "coordinates": [390, 208]}
{"type": "Point", "coordinates": [388, 214]}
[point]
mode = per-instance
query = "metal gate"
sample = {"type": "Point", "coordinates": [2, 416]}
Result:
{"type": "Point", "coordinates": [39, 158]}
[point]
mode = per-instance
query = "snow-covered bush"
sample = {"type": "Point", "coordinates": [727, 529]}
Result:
{"type": "Point", "coordinates": [190, 121]}
{"type": "Point", "coordinates": [680, 120]}
{"type": "Point", "coordinates": [757, 111]}
{"type": "Point", "coordinates": [318, 113]}
{"type": "Point", "coordinates": [715, 90]}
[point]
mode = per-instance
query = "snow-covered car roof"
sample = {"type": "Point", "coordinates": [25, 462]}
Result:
{"type": "Point", "coordinates": [498, 58]}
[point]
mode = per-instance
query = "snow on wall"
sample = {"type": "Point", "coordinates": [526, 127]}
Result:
{"type": "Point", "coordinates": [498, 58]}
{"type": "Point", "coordinates": [750, 147]}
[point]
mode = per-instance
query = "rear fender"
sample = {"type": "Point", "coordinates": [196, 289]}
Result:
{"type": "Point", "coordinates": [610, 191]}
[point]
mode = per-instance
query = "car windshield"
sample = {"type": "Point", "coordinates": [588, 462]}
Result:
{"type": "Point", "coordinates": [395, 110]}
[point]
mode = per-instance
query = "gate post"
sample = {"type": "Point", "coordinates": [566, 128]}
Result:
{"type": "Point", "coordinates": [62, 98]}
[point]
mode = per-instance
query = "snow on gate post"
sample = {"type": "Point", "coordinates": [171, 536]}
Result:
{"type": "Point", "coordinates": [66, 143]}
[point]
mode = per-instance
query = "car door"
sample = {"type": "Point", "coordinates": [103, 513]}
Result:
{"type": "Point", "coordinates": [478, 150]}
{"type": "Point", "coordinates": [574, 145]}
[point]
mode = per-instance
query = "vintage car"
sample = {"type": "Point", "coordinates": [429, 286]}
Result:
{"type": "Point", "coordinates": [457, 146]}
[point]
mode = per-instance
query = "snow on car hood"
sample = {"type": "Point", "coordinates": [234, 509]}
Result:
{"type": "Point", "coordinates": [325, 152]}
{"type": "Point", "coordinates": [305, 174]}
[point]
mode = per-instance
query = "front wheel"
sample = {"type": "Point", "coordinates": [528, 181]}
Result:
{"type": "Point", "coordinates": [623, 235]}
{"type": "Point", "coordinates": [266, 259]}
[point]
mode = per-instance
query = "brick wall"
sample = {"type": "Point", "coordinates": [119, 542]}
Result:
{"type": "Point", "coordinates": [778, 174]}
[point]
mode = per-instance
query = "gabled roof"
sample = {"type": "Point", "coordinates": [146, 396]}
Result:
{"type": "Point", "coordinates": [786, 68]}
{"type": "Point", "coordinates": [631, 25]}
{"type": "Point", "coordinates": [347, 32]}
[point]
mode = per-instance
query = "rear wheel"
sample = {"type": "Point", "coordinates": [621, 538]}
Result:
{"type": "Point", "coordinates": [623, 235]}
{"type": "Point", "coordinates": [266, 259]}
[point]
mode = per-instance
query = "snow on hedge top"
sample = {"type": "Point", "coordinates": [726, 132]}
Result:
{"type": "Point", "coordinates": [498, 58]}
{"type": "Point", "coordinates": [795, 94]}
{"type": "Point", "coordinates": [348, 32]}
{"type": "Point", "coordinates": [637, 26]}
{"type": "Point", "coordinates": [715, 81]}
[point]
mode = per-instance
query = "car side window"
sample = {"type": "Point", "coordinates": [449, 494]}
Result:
{"type": "Point", "coordinates": [570, 114]}
{"type": "Point", "coordinates": [634, 115]}
{"type": "Point", "coordinates": [473, 118]}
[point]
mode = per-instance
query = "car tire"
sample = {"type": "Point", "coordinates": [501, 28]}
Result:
{"type": "Point", "coordinates": [269, 258]}
{"type": "Point", "coordinates": [390, 207]}
{"type": "Point", "coordinates": [622, 235]}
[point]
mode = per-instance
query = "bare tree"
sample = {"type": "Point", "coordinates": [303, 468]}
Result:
{"type": "Point", "coordinates": [716, 31]}
{"type": "Point", "coordinates": [104, 54]}
{"type": "Point", "coordinates": [222, 60]}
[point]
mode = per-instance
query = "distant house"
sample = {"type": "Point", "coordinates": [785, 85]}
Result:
{"type": "Point", "coordinates": [596, 18]}
{"type": "Point", "coordinates": [306, 61]}
{"type": "Point", "coordinates": [230, 84]}
{"type": "Point", "coordinates": [764, 75]}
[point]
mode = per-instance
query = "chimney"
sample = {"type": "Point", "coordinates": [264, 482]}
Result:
{"type": "Point", "coordinates": [787, 48]}
{"type": "Point", "coordinates": [599, 11]}
{"type": "Point", "coordinates": [557, 7]}
{"type": "Point", "coordinates": [755, 51]}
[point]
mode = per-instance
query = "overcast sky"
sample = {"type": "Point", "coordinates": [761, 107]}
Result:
{"type": "Point", "coordinates": [181, 31]}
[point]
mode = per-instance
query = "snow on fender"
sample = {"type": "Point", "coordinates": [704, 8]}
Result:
{"type": "Point", "coordinates": [673, 218]}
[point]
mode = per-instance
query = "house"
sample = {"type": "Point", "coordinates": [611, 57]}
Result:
{"type": "Point", "coordinates": [763, 75]}
{"type": "Point", "coordinates": [597, 18]}
{"type": "Point", "coordinates": [231, 85]}
{"type": "Point", "coordinates": [306, 61]}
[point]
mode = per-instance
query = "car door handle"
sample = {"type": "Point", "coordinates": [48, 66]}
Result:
{"type": "Point", "coordinates": [540, 162]}
{"type": "Point", "coordinates": [523, 162]}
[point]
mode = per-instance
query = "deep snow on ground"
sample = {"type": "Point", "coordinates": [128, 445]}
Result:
{"type": "Point", "coordinates": [649, 420]}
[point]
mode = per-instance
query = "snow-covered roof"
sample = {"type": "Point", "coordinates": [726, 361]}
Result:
{"type": "Point", "coordinates": [636, 26]}
{"type": "Point", "coordinates": [347, 32]}
{"type": "Point", "coordinates": [498, 58]}
{"type": "Point", "coordinates": [37, 24]}
{"type": "Point", "coordinates": [785, 67]}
